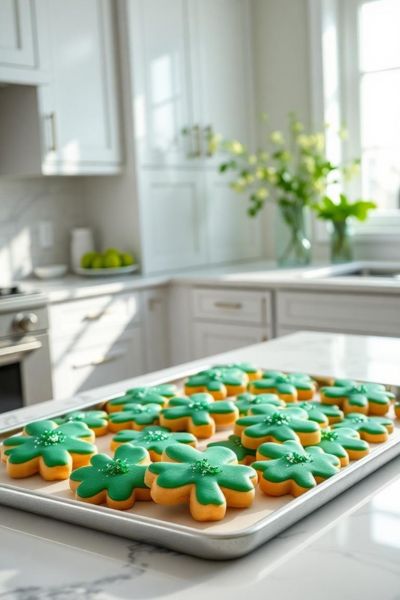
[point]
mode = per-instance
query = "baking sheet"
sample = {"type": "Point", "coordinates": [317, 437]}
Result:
{"type": "Point", "coordinates": [238, 533]}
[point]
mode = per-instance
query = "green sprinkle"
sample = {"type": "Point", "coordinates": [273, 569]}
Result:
{"type": "Point", "coordinates": [203, 467]}
{"type": "Point", "coordinates": [198, 405]}
{"type": "Point", "coordinates": [294, 458]}
{"type": "Point", "coordinates": [276, 419]}
{"type": "Point", "coordinates": [119, 466]}
{"type": "Point", "coordinates": [329, 436]}
{"type": "Point", "coordinates": [155, 436]}
{"type": "Point", "coordinates": [49, 438]}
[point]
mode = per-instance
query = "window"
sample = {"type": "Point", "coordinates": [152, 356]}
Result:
{"type": "Point", "coordinates": [370, 68]}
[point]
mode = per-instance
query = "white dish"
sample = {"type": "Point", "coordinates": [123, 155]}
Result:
{"type": "Point", "coordinates": [106, 272]}
{"type": "Point", "coordinates": [50, 271]}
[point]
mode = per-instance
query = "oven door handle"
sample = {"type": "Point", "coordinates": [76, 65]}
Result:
{"type": "Point", "coordinates": [11, 351]}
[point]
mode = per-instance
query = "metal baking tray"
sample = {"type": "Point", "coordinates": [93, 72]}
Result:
{"type": "Point", "coordinates": [238, 534]}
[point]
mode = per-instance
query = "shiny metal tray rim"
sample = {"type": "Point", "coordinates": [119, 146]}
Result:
{"type": "Point", "coordinates": [216, 546]}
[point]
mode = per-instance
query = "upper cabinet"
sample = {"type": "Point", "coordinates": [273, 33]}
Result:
{"type": "Point", "coordinates": [192, 76]}
{"type": "Point", "coordinates": [67, 125]}
{"type": "Point", "coordinates": [79, 113]}
{"type": "Point", "coordinates": [22, 42]}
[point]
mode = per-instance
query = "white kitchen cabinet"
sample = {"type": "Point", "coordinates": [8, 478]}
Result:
{"type": "Point", "coordinates": [174, 217]}
{"type": "Point", "coordinates": [213, 338]}
{"type": "Point", "coordinates": [156, 328]}
{"type": "Point", "coordinates": [367, 314]}
{"type": "Point", "coordinates": [79, 108]}
{"type": "Point", "coordinates": [22, 42]}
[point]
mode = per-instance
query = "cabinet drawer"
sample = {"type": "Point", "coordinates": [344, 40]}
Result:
{"type": "Point", "coordinates": [86, 368]}
{"type": "Point", "coordinates": [213, 338]}
{"type": "Point", "coordinates": [232, 305]}
{"type": "Point", "coordinates": [92, 314]}
{"type": "Point", "coordinates": [347, 313]}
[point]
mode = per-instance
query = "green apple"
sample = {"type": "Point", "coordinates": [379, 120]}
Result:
{"type": "Point", "coordinates": [98, 262]}
{"type": "Point", "coordinates": [112, 260]}
{"type": "Point", "coordinates": [87, 259]}
{"type": "Point", "coordinates": [127, 259]}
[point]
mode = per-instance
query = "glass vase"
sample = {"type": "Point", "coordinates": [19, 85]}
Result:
{"type": "Point", "coordinates": [341, 241]}
{"type": "Point", "coordinates": [293, 239]}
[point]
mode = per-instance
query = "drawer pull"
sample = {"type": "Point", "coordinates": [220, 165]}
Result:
{"type": "Point", "coordinates": [229, 305]}
{"type": "Point", "coordinates": [96, 316]}
{"type": "Point", "coordinates": [102, 360]}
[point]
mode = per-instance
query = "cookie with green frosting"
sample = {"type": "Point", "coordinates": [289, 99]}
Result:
{"type": "Point", "coordinates": [290, 387]}
{"type": "Point", "coordinates": [245, 456]}
{"type": "Point", "coordinates": [208, 481]}
{"type": "Point", "coordinates": [219, 382]}
{"type": "Point", "coordinates": [333, 413]}
{"type": "Point", "coordinates": [117, 482]}
{"type": "Point", "coordinates": [365, 398]}
{"type": "Point", "coordinates": [397, 409]}
{"type": "Point", "coordinates": [199, 414]}
{"type": "Point", "coordinates": [158, 394]}
{"type": "Point", "coordinates": [96, 420]}
{"type": "Point", "coordinates": [135, 416]}
{"type": "Point", "coordinates": [50, 450]}
{"type": "Point", "coordinates": [289, 468]}
{"type": "Point", "coordinates": [249, 368]}
{"type": "Point", "coordinates": [313, 409]}
{"type": "Point", "coordinates": [371, 429]}
{"type": "Point", "coordinates": [154, 438]}
{"type": "Point", "coordinates": [266, 424]}
{"type": "Point", "coordinates": [345, 443]}
{"type": "Point", "coordinates": [245, 402]}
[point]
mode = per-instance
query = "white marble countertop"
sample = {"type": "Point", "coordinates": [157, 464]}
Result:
{"type": "Point", "coordinates": [349, 549]}
{"type": "Point", "coordinates": [252, 275]}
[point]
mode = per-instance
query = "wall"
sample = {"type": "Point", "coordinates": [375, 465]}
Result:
{"type": "Point", "coordinates": [282, 73]}
{"type": "Point", "coordinates": [24, 203]}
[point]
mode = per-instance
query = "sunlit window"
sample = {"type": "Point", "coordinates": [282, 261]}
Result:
{"type": "Point", "coordinates": [379, 100]}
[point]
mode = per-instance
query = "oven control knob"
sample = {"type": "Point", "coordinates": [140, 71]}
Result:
{"type": "Point", "coordinates": [25, 322]}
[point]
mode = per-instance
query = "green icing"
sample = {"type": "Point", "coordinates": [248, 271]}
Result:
{"type": "Point", "coordinates": [141, 414]}
{"type": "Point", "coordinates": [154, 438]}
{"type": "Point", "coordinates": [234, 443]}
{"type": "Point", "coordinates": [282, 425]}
{"type": "Point", "coordinates": [246, 401]}
{"type": "Point", "coordinates": [208, 471]}
{"type": "Point", "coordinates": [339, 441]}
{"type": "Point", "coordinates": [284, 383]}
{"type": "Point", "coordinates": [290, 461]}
{"type": "Point", "coordinates": [145, 395]}
{"type": "Point", "coordinates": [53, 444]}
{"type": "Point", "coordinates": [92, 418]}
{"type": "Point", "coordinates": [216, 378]}
{"type": "Point", "coordinates": [329, 410]}
{"type": "Point", "coordinates": [359, 422]}
{"type": "Point", "coordinates": [358, 394]}
{"type": "Point", "coordinates": [314, 412]}
{"type": "Point", "coordinates": [199, 408]}
{"type": "Point", "coordinates": [120, 475]}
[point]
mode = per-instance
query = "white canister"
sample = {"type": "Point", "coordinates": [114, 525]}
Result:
{"type": "Point", "coordinates": [81, 242]}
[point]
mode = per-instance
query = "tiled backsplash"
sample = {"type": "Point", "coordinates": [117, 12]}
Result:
{"type": "Point", "coordinates": [24, 204]}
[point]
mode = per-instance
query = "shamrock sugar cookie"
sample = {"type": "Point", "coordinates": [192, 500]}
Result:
{"type": "Point", "coordinates": [251, 370]}
{"type": "Point", "coordinates": [220, 383]}
{"type": "Point", "coordinates": [333, 413]}
{"type": "Point", "coordinates": [314, 412]}
{"type": "Point", "coordinates": [50, 450]}
{"type": "Point", "coordinates": [245, 402]}
{"type": "Point", "coordinates": [117, 482]}
{"type": "Point", "coordinates": [291, 387]}
{"type": "Point", "coordinates": [371, 429]}
{"type": "Point", "coordinates": [288, 468]}
{"type": "Point", "coordinates": [267, 424]}
{"type": "Point", "coordinates": [158, 394]}
{"type": "Point", "coordinates": [208, 481]}
{"type": "Point", "coordinates": [345, 443]}
{"type": "Point", "coordinates": [366, 398]}
{"type": "Point", "coordinates": [135, 416]}
{"type": "Point", "coordinates": [245, 456]}
{"type": "Point", "coordinates": [96, 420]}
{"type": "Point", "coordinates": [397, 409]}
{"type": "Point", "coordinates": [154, 438]}
{"type": "Point", "coordinates": [199, 414]}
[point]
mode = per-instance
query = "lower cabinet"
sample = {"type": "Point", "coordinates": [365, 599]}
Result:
{"type": "Point", "coordinates": [213, 338]}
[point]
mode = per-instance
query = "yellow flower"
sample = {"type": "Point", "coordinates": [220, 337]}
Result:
{"type": "Point", "coordinates": [319, 186]}
{"type": "Point", "coordinates": [297, 127]}
{"type": "Point", "coordinates": [262, 193]}
{"type": "Point", "coordinates": [252, 159]}
{"type": "Point", "coordinates": [235, 147]}
{"type": "Point", "coordinates": [277, 138]}
{"type": "Point", "coordinates": [239, 185]}
{"type": "Point", "coordinates": [304, 141]}
{"type": "Point", "coordinates": [270, 175]}
{"type": "Point", "coordinates": [309, 163]}
{"type": "Point", "coordinates": [249, 179]}
{"type": "Point", "coordinates": [263, 156]}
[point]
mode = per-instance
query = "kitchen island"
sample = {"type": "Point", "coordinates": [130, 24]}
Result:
{"type": "Point", "coordinates": [349, 548]}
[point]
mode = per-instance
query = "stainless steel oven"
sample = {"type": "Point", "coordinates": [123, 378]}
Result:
{"type": "Point", "coordinates": [25, 368]}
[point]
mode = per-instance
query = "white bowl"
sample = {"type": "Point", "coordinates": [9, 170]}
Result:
{"type": "Point", "coordinates": [50, 271]}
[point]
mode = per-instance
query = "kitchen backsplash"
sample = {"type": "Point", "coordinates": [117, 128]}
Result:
{"type": "Point", "coordinates": [27, 204]}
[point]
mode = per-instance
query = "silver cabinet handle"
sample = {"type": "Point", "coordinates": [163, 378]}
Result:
{"type": "Point", "coordinates": [230, 305]}
{"type": "Point", "coordinates": [209, 135]}
{"type": "Point", "coordinates": [198, 150]}
{"type": "Point", "coordinates": [102, 360]}
{"type": "Point", "coordinates": [51, 118]}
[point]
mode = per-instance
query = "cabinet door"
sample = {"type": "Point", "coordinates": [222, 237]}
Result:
{"type": "Point", "coordinates": [173, 219]}
{"type": "Point", "coordinates": [155, 309]}
{"type": "Point", "coordinates": [231, 233]}
{"type": "Point", "coordinates": [222, 66]}
{"type": "Point", "coordinates": [211, 338]}
{"type": "Point", "coordinates": [159, 53]}
{"type": "Point", "coordinates": [16, 33]}
{"type": "Point", "coordinates": [80, 125]}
